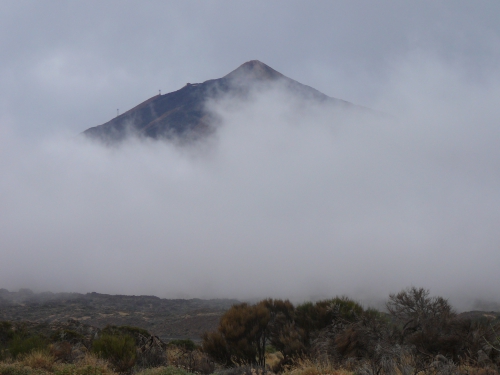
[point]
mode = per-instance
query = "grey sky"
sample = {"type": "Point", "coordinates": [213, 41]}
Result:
{"type": "Point", "coordinates": [270, 208]}
{"type": "Point", "coordinates": [69, 64]}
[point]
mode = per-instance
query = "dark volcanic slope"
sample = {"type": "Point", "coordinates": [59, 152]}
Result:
{"type": "Point", "coordinates": [166, 318]}
{"type": "Point", "coordinates": [182, 112]}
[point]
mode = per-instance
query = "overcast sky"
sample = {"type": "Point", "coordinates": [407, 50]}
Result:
{"type": "Point", "coordinates": [356, 206]}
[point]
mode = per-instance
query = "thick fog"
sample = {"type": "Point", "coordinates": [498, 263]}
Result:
{"type": "Point", "coordinates": [285, 200]}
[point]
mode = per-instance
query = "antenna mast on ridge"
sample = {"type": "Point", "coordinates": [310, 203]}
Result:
{"type": "Point", "coordinates": [159, 92]}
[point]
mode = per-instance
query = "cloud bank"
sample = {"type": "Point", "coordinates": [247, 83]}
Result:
{"type": "Point", "coordinates": [285, 201]}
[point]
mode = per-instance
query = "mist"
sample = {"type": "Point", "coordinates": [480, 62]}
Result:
{"type": "Point", "coordinates": [285, 201]}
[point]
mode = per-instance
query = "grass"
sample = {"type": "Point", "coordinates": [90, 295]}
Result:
{"type": "Point", "coordinates": [39, 359]}
{"type": "Point", "coordinates": [168, 370]}
{"type": "Point", "coordinates": [308, 367]}
{"type": "Point", "coordinates": [42, 363]}
{"type": "Point", "coordinates": [20, 345]}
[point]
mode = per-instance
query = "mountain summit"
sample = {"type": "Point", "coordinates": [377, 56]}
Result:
{"type": "Point", "coordinates": [182, 113]}
{"type": "Point", "coordinates": [254, 70]}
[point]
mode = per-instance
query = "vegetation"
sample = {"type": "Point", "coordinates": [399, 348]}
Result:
{"type": "Point", "coordinates": [186, 344]}
{"type": "Point", "coordinates": [417, 334]}
{"type": "Point", "coordinates": [22, 344]}
{"type": "Point", "coordinates": [119, 349]}
{"type": "Point", "coordinates": [125, 330]}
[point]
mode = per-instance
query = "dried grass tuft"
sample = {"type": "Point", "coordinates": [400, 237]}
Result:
{"type": "Point", "coordinates": [39, 359]}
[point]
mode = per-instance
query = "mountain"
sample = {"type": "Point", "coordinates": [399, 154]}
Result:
{"type": "Point", "coordinates": [182, 113]}
{"type": "Point", "coordinates": [166, 318]}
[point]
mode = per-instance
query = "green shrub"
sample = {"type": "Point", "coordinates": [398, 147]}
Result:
{"type": "Point", "coordinates": [270, 349]}
{"type": "Point", "coordinates": [118, 349]}
{"type": "Point", "coordinates": [21, 345]}
{"type": "Point", "coordinates": [6, 333]}
{"type": "Point", "coordinates": [125, 330]}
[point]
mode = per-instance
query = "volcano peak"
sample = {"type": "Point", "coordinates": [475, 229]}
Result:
{"type": "Point", "coordinates": [254, 70]}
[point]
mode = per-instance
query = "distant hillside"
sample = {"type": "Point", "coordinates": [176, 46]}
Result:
{"type": "Point", "coordinates": [166, 318]}
{"type": "Point", "coordinates": [182, 114]}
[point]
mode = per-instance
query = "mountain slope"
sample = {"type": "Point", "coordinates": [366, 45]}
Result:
{"type": "Point", "coordinates": [182, 113]}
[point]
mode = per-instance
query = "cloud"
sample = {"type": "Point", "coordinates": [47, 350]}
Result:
{"type": "Point", "coordinates": [285, 201]}
{"type": "Point", "coordinates": [69, 66]}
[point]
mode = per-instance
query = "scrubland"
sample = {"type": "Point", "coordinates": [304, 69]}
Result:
{"type": "Point", "coordinates": [416, 334]}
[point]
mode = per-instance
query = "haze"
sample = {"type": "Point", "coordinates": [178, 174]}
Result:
{"type": "Point", "coordinates": [285, 201]}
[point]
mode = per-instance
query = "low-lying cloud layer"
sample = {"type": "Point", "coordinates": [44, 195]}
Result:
{"type": "Point", "coordinates": [285, 201]}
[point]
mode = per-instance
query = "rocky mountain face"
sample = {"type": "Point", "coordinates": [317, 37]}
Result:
{"type": "Point", "coordinates": [166, 318]}
{"type": "Point", "coordinates": [182, 114]}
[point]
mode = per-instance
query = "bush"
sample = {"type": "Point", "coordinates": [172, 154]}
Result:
{"type": "Point", "coordinates": [62, 351]}
{"type": "Point", "coordinates": [39, 360]}
{"type": "Point", "coordinates": [216, 347]}
{"type": "Point", "coordinates": [67, 335]}
{"type": "Point", "coordinates": [135, 332]}
{"type": "Point", "coordinates": [185, 344]}
{"type": "Point", "coordinates": [243, 370]}
{"type": "Point", "coordinates": [14, 369]}
{"type": "Point", "coordinates": [313, 318]}
{"type": "Point", "coordinates": [118, 349]}
{"type": "Point", "coordinates": [21, 345]}
{"type": "Point", "coordinates": [6, 333]}
{"type": "Point", "coordinates": [169, 370]}
{"type": "Point", "coordinates": [88, 365]}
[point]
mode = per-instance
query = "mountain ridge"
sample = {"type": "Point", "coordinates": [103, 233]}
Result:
{"type": "Point", "coordinates": [181, 114]}
{"type": "Point", "coordinates": [166, 318]}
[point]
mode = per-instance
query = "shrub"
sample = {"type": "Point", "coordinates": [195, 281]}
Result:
{"type": "Point", "coordinates": [427, 323]}
{"type": "Point", "coordinates": [312, 318]}
{"type": "Point", "coordinates": [90, 365]}
{"type": "Point", "coordinates": [67, 335]}
{"type": "Point", "coordinates": [62, 351]}
{"type": "Point", "coordinates": [6, 333]}
{"type": "Point", "coordinates": [21, 345]}
{"type": "Point", "coordinates": [135, 332]}
{"type": "Point", "coordinates": [39, 360]}
{"type": "Point", "coordinates": [243, 370]}
{"type": "Point", "coordinates": [270, 349]}
{"type": "Point", "coordinates": [118, 349]}
{"type": "Point", "coordinates": [216, 347]}
{"type": "Point", "coordinates": [308, 367]}
{"type": "Point", "coordinates": [185, 344]}
{"type": "Point", "coordinates": [14, 369]}
{"type": "Point", "coordinates": [151, 352]}
{"type": "Point", "coordinates": [169, 370]}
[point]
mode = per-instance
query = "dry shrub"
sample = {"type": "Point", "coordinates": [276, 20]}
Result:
{"type": "Point", "coordinates": [163, 370]}
{"type": "Point", "coordinates": [92, 361]}
{"type": "Point", "coordinates": [62, 351]}
{"type": "Point", "coordinates": [487, 371]}
{"type": "Point", "coordinates": [39, 359]}
{"type": "Point", "coordinates": [9, 368]}
{"type": "Point", "coordinates": [273, 359]}
{"type": "Point", "coordinates": [242, 370]}
{"type": "Point", "coordinates": [308, 367]}
{"type": "Point", "coordinates": [190, 360]}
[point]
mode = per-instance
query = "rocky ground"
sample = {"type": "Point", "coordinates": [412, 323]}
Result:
{"type": "Point", "coordinates": [166, 318]}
